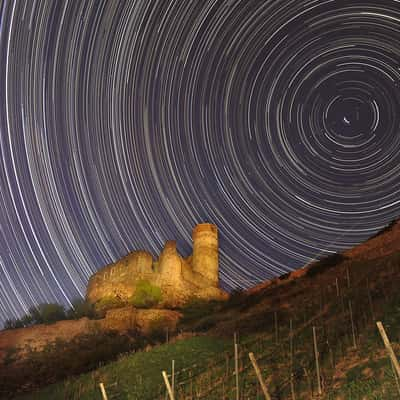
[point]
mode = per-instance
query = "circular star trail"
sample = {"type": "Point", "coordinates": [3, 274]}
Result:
{"type": "Point", "coordinates": [123, 124]}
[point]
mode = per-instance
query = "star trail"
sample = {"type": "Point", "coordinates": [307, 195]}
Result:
{"type": "Point", "coordinates": [125, 123]}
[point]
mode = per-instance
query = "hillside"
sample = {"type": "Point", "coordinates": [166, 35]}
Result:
{"type": "Point", "coordinates": [133, 296]}
{"type": "Point", "coordinates": [339, 298]}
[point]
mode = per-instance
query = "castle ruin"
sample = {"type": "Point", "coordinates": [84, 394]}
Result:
{"type": "Point", "coordinates": [179, 280]}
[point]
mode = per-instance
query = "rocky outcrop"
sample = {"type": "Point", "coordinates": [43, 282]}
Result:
{"type": "Point", "coordinates": [178, 279]}
{"type": "Point", "coordinates": [143, 320]}
{"type": "Point", "coordinates": [121, 320]}
{"type": "Point", "coordinates": [36, 337]}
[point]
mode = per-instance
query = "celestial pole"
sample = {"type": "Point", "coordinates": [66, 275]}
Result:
{"type": "Point", "coordinates": [125, 123]}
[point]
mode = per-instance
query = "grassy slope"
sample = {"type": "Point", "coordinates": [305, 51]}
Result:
{"type": "Point", "coordinates": [366, 372]}
{"type": "Point", "coordinates": [137, 375]}
{"type": "Point", "coordinates": [308, 300]}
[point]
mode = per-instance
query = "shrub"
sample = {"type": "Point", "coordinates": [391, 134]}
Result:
{"type": "Point", "coordinates": [27, 320]}
{"type": "Point", "coordinates": [195, 309]}
{"type": "Point", "coordinates": [157, 330]}
{"type": "Point", "coordinates": [325, 263]}
{"type": "Point", "coordinates": [284, 276]}
{"type": "Point", "coordinates": [146, 295]}
{"type": "Point", "coordinates": [13, 324]}
{"type": "Point", "coordinates": [207, 323]}
{"type": "Point", "coordinates": [51, 312]}
{"type": "Point", "coordinates": [81, 308]}
{"type": "Point", "coordinates": [8, 324]}
{"type": "Point", "coordinates": [45, 313]}
{"type": "Point", "coordinates": [11, 355]}
{"type": "Point", "coordinates": [236, 298]}
{"type": "Point", "coordinates": [34, 312]}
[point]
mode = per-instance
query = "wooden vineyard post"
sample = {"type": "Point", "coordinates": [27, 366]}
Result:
{"type": "Point", "coordinates": [353, 332]}
{"type": "Point", "coordinates": [331, 358]}
{"type": "Point", "coordinates": [389, 348]}
{"type": "Point", "coordinates": [237, 370]}
{"type": "Point", "coordinates": [173, 377]}
{"type": "Point", "coordinates": [103, 391]}
{"type": "Point", "coordinates": [370, 301]}
{"type": "Point", "coordinates": [259, 376]}
{"type": "Point", "coordinates": [292, 386]}
{"type": "Point", "coordinates": [337, 287]}
{"type": "Point", "coordinates": [291, 343]}
{"type": "Point", "coordinates": [191, 384]}
{"type": "Point", "coordinates": [291, 359]}
{"type": "Point", "coordinates": [348, 277]}
{"type": "Point", "coordinates": [308, 381]}
{"type": "Point", "coordinates": [317, 361]}
{"type": "Point", "coordinates": [276, 327]}
{"type": "Point", "coordinates": [321, 301]}
{"type": "Point", "coordinates": [168, 386]}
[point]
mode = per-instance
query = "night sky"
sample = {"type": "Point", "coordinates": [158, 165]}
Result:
{"type": "Point", "coordinates": [125, 123]}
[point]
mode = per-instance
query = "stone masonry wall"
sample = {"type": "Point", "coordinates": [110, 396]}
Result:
{"type": "Point", "coordinates": [179, 279]}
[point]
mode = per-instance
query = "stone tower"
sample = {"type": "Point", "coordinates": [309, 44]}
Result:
{"type": "Point", "coordinates": [205, 252]}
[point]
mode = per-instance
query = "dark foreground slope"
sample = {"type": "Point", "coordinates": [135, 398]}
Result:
{"type": "Point", "coordinates": [339, 299]}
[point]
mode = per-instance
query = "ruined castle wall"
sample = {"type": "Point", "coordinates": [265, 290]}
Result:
{"type": "Point", "coordinates": [205, 252]}
{"type": "Point", "coordinates": [197, 280]}
{"type": "Point", "coordinates": [179, 279]}
{"type": "Point", "coordinates": [119, 280]}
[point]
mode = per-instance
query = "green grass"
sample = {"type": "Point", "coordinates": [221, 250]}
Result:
{"type": "Point", "coordinates": [135, 375]}
{"type": "Point", "coordinates": [361, 388]}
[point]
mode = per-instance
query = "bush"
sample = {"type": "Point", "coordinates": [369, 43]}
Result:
{"type": "Point", "coordinates": [13, 324]}
{"type": "Point", "coordinates": [45, 313]}
{"type": "Point", "coordinates": [27, 320]}
{"type": "Point", "coordinates": [146, 295]}
{"type": "Point", "coordinates": [11, 355]}
{"type": "Point", "coordinates": [284, 276]}
{"type": "Point", "coordinates": [195, 309]}
{"type": "Point", "coordinates": [157, 330]}
{"type": "Point", "coordinates": [8, 324]}
{"type": "Point", "coordinates": [325, 263]}
{"type": "Point", "coordinates": [51, 312]}
{"type": "Point", "coordinates": [81, 308]}
{"type": "Point", "coordinates": [35, 314]}
{"type": "Point", "coordinates": [207, 323]}
{"type": "Point", "coordinates": [236, 298]}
